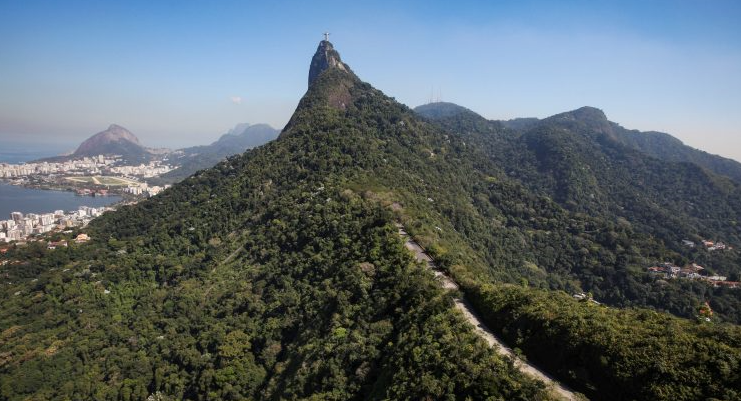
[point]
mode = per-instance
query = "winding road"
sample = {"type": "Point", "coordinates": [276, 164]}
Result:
{"type": "Point", "coordinates": [480, 328]}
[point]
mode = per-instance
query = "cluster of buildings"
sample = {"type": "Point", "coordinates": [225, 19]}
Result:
{"type": "Point", "coordinates": [95, 165]}
{"type": "Point", "coordinates": [707, 245]}
{"type": "Point", "coordinates": [714, 246]}
{"type": "Point", "coordinates": [88, 175]}
{"type": "Point", "coordinates": [91, 192]}
{"type": "Point", "coordinates": [690, 272]}
{"type": "Point", "coordinates": [21, 226]}
{"type": "Point", "coordinates": [144, 189]}
{"type": "Point", "coordinates": [88, 165]}
{"type": "Point", "coordinates": [152, 169]}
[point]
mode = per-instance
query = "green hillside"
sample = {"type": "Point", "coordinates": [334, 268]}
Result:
{"type": "Point", "coordinates": [279, 274]}
{"type": "Point", "coordinates": [578, 160]}
{"type": "Point", "coordinates": [264, 277]}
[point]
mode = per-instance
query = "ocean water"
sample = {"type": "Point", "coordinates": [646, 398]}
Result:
{"type": "Point", "coordinates": [21, 156]}
{"type": "Point", "coordinates": [14, 198]}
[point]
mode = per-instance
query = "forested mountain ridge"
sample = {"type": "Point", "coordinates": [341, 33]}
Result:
{"type": "Point", "coordinates": [656, 144]}
{"type": "Point", "coordinates": [236, 141]}
{"type": "Point", "coordinates": [581, 161]}
{"type": "Point", "coordinates": [279, 274]}
{"type": "Point", "coordinates": [264, 277]}
{"type": "Point", "coordinates": [667, 147]}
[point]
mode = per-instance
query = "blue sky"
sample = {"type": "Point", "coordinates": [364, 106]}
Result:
{"type": "Point", "coordinates": [171, 71]}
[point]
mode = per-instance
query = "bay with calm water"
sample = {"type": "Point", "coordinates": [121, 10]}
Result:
{"type": "Point", "coordinates": [14, 198]}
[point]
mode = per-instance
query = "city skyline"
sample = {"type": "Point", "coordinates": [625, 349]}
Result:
{"type": "Point", "coordinates": [179, 75]}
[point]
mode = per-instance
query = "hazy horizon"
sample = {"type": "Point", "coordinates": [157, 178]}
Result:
{"type": "Point", "coordinates": [180, 75]}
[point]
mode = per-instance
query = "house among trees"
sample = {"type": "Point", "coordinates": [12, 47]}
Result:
{"type": "Point", "coordinates": [714, 246]}
{"type": "Point", "coordinates": [666, 269]}
{"type": "Point", "coordinates": [691, 271]}
{"type": "Point", "coordinates": [54, 245]}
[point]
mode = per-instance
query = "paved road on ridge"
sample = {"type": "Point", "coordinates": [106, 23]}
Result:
{"type": "Point", "coordinates": [481, 329]}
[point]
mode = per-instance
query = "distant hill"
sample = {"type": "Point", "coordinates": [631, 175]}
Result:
{"type": "Point", "coordinates": [240, 138]}
{"type": "Point", "coordinates": [667, 147]}
{"type": "Point", "coordinates": [441, 110]}
{"type": "Point", "coordinates": [657, 144]}
{"type": "Point", "coordinates": [237, 140]}
{"type": "Point", "coordinates": [590, 165]}
{"type": "Point", "coordinates": [116, 140]}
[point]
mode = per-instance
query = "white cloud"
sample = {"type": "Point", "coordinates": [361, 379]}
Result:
{"type": "Point", "coordinates": [236, 99]}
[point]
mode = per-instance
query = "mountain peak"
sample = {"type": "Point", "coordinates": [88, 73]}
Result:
{"type": "Point", "coordinates": [238, 129]}
{"type": "Point", "coordinates": [116, 127]}
{"type": "Point", "coordinates": [326, 57]}
{"type": "Point", "coordinates": [331, 84]}
{"type": "Point", "coordinates": [114, 140]}
{"type": "Point", "coordinates": [590, 118]}
{"type": "Point", "coordinates": [589, 113]}
{"type": "Point", "coordinates": [438, 110]}
{"type": "Point", "coordinates": [586, 113]}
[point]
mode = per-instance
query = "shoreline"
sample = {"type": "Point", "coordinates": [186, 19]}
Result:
{"type": "Point", "coordinates": [74, 189]}
{"type": "Point", "coordinates": [36, 202]}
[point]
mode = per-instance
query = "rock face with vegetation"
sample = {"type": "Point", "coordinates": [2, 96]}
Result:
{"type": "Point", "coordinates": [280, 274]}
{"type": "Point", "coordinates": [115, 140]}
{"type": "Point", "coordinates": [325, 57]}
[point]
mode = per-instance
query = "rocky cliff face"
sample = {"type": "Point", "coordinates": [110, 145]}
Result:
{"type": "Point", "coordinates": [117, 140]}
{"type": "Point", "coordinates": [325, 57]}
{"type": "Point", "coordinates": [107, 141]}
{"type": "Point", "coordinates": [587, 119]}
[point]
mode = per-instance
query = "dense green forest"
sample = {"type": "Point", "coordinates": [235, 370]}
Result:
{"type": "Point", "coordinates": [603, 352]}
{"type": "Point", "coordinates": [658, 145]}
{"type": "Point", "coordinates": [279, 274]}
{"type": "Point", "coordinates": [321, 301]}
{"type": "Point", "coordinates": [578, 161]}
{"type": "Point", "coordinates": [264, 277]}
